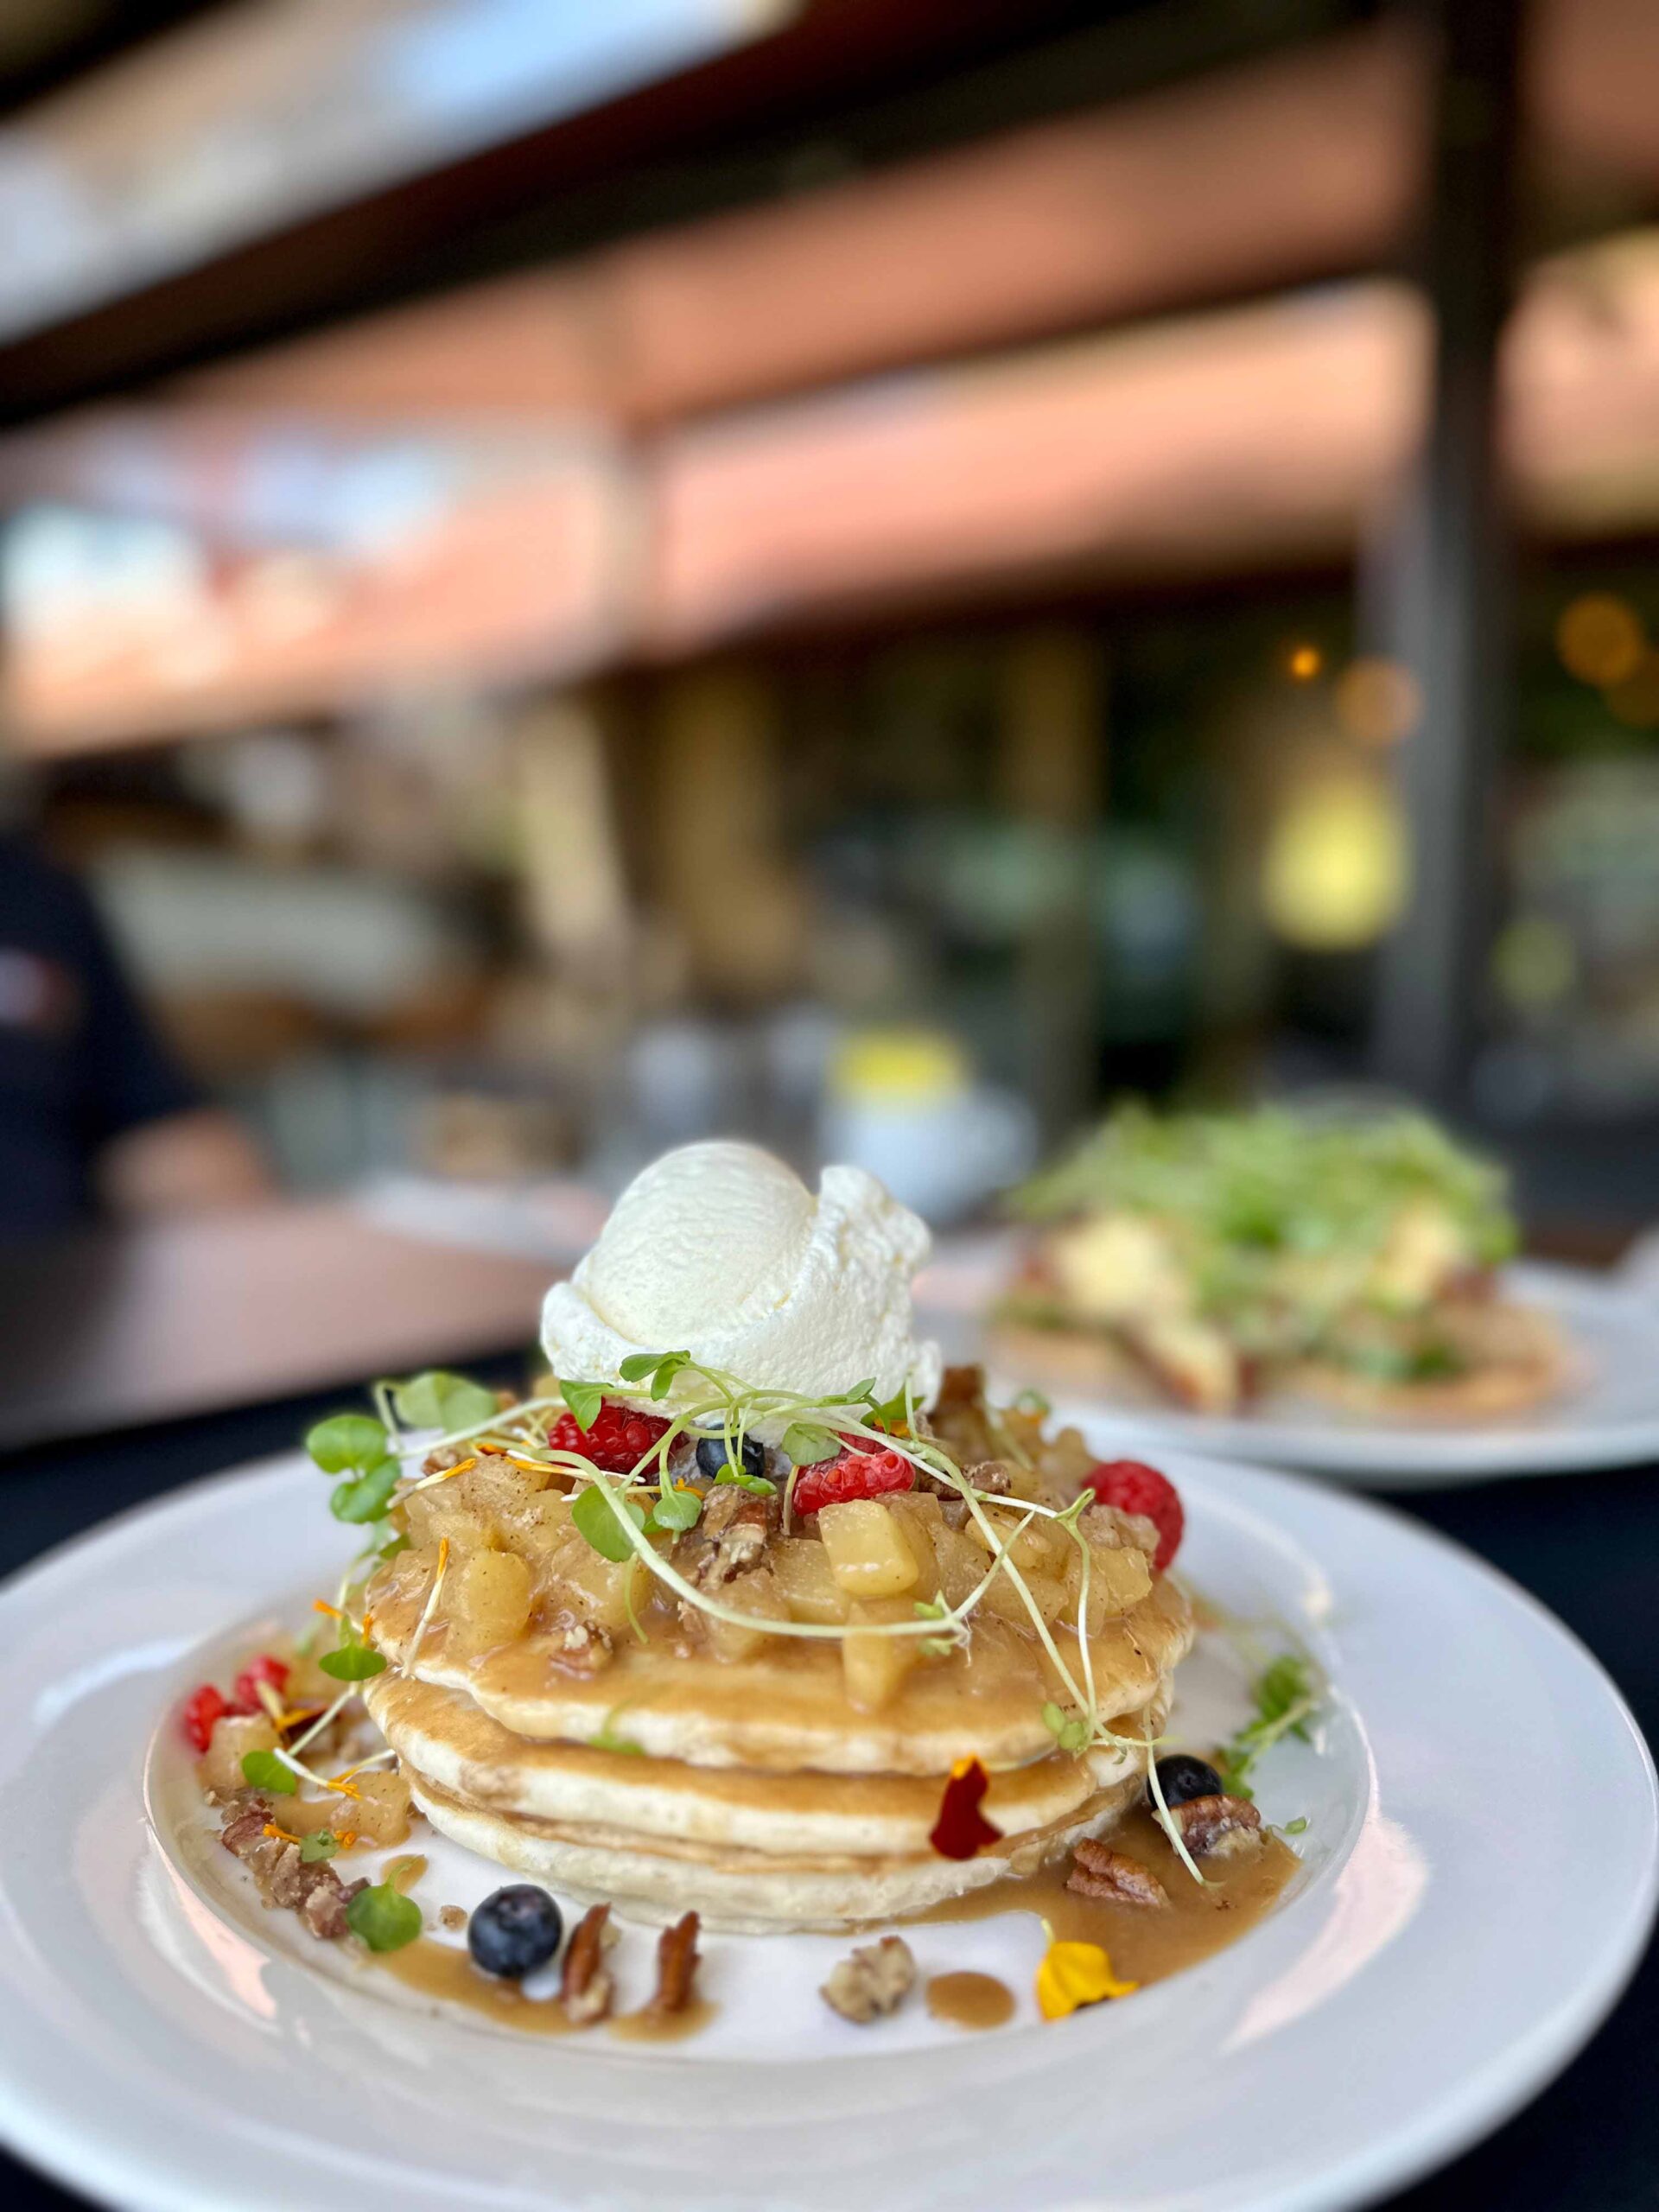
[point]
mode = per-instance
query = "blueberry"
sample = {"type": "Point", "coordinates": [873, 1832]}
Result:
{"type": "Point", "coordinates": [1181, 1778]}
{"type": "Point", "coordinates": [712, 1456]}
{"type": "Point", "coordinates": [515, 1931]}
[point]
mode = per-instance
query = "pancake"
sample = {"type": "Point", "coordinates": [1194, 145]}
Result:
{"type": "Point", "coordinates": [456, 1748]}
{"type": "Point", "coordinates": [828, 1827]}
{"type": "Point", "coordinates": [788, 1709]}
{"type": "Point", "coordinates": [750, 1892]}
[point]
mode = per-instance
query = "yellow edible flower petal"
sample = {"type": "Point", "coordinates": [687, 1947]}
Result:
{"type": "Point", "coordinates": [1075, 1973]}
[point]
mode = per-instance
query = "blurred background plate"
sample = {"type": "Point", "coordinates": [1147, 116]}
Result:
{"type": "Point", "coordinates": [1609, 1418]}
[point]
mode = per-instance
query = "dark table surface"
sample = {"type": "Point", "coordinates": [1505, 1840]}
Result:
{"type": "Point", "coordinates": [1588, 1545]}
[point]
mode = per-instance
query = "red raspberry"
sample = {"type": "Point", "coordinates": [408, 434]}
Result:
{"type": "Point", "coordinates": [264, 1669]}
{"type": "Point", "coordinates": [617, 1441]}
{"type": "Point", "coordinates": [1133, 1487]}
{"type": "Point", "coordinates": [855, 1474]}
{"type": "Point", "coordinates": [204, 1709]}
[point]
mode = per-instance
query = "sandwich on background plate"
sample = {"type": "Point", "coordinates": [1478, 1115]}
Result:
{"type": "Point", "coordinates": [1212, 1259]}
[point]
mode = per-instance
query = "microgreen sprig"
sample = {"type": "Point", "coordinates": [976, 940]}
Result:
{"type": "Point", "coordinates": [1288, 1692]}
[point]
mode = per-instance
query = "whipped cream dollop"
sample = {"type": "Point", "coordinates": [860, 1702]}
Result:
{"type": "Point", "coordinates": [721, 1250]}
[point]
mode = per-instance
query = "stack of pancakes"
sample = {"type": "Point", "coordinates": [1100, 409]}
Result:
{"type": "Point", "coordinates": [752, 1792]}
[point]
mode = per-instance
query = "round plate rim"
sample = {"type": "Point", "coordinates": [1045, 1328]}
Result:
{"type": "Point", "coordinates": [1470, 2110]}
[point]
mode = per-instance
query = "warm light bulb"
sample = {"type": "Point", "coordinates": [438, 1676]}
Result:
{"type": "Point", "coordinates": [1600, 638]}
{"type": "Point", "coordinates": [1335, 872]}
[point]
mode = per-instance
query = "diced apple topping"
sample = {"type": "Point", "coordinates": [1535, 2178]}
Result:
{"type": "Point", "coordinates": [868, 1556]}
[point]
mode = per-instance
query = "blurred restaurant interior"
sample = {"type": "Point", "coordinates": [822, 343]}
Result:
{"type": "Point", "coordinates": [873, 577]}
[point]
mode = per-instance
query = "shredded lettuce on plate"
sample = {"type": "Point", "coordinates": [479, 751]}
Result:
{"type": "Point", "coordinates": [1275, 1179]}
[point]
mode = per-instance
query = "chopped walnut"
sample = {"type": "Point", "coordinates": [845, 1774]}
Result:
{"type": "Point", "coordinates": [1107, 1530]}
{"type": "Point", "coordinates": [1098, 1871]}
{"type": "Point", "coordinates": [874, 1981]}
{"type": "Point", "coordinates": [586, 1988]}
{"type": "Point", "coordinates": [582, 1648]}
{"type": "Point", "coordinates": [731, 1538]}
{"type": "Point", "coordinates": [283, 1880]}
{"type": "Point", "coordinates": [677, 1965]}
{"type": "Point", "coordinates": [993, 1476]}
{"type": "Point", "coordinates": [323, 1911]}
{"type": "Point", "coordinates": [1218, 1828]}
{"type": "Point", "coordinates": [960, 1386]}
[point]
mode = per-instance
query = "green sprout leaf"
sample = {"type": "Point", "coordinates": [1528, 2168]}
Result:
{"type": "Point", "coordinates": [321, 1843]}
{"type": "Point", "coordinates": [584, 1400]}
{"type": "Point", "coordinates": [661, 1367]}
{"type": "Point", "coordinates": [758, 1484]}
{"type": "Point", "coordinates": [1286, 1694]}
{"type": "Point", "coordinates": [420, 1400]}
{"type": "Point", "coordinates": [806, 1445]}
{"type": "Point", "coordinates": [1031, 1401]}
{"type": "Point", "coordinates": [676, 1511]}
{"type": "Point", "coordinates": [384, 1917]}
{"type": "Point", "coordinates": [890, 1413]}
{"type": "Point", "coordinates": [1297, 1826]}
{"type": "Point", "coordinates": [1069, 1731]}
{"type": "Point", "coordinates": [1284, 1684]}
{"type": "Point", "coordinates": [345, 1440]}
{"type": "Point", "coordinates": [352, 1663]}
{"type": "Point", "coordinates": [266, 1772]}
{"type": "Point", "coordinates": [440, 1400]}
{"type": "Point", "coordinates": [595, 1514]}
{"type": "Point", "coordinates": [366, 1498]}
{"type": "Point", "coordinates": [934, 1647]}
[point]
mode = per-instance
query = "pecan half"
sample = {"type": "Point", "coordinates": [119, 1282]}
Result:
{"type": "Point", "coordinates": [1218, 1826]}
{"type": "Point", "coordinates": [876, 1979]}
{"type": "Point", "coordinates": [1099, 1871]}
{"type": "Point", "coordinates": [586, 1987]}
{"type": "Point", "coordinates": [731, 1538]}
{"type": "Point", "coordinates": [677, 1965]}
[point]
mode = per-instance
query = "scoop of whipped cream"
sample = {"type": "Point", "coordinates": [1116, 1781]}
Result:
{"type": "Point", "coordinates": [721, 1250]}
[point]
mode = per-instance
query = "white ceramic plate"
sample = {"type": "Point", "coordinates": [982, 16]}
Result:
{"type": "Point", "coordinates": [159, 2050]}
{"type": "Point", "coordinates": [1608, 1417]}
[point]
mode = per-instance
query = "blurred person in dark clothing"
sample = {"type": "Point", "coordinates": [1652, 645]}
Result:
{"type": "Point", "coordinates": [96, 1116]}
